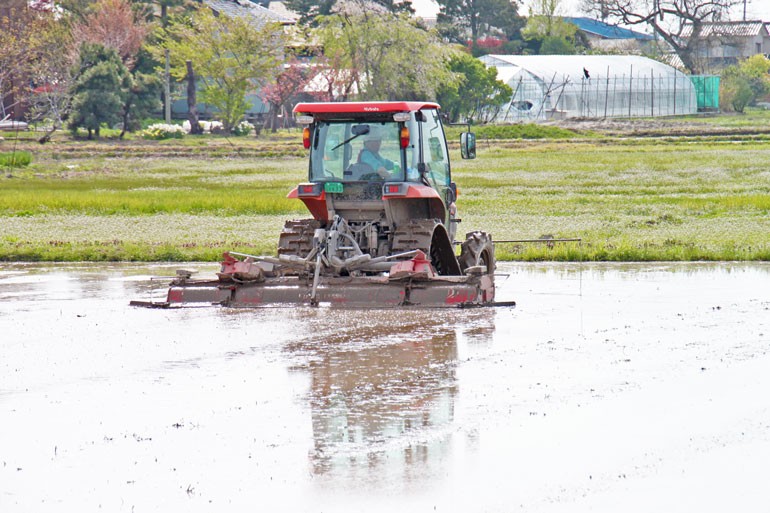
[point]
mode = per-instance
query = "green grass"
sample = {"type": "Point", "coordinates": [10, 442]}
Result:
{"type": "Point", "coordinates": [518, 131]}
{"type": "Point", "coordinates": [628, 200]}
{"type": "Point", "coordinates": [753, 117]}
{"type": "Point", "coordinates": [13, 159]}
{"type": "Point", "coordinates": [649, 201]}
{"type": "Point", "coordinates": [131, 186]}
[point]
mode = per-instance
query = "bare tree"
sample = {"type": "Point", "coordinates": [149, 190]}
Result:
{"type": "Point", "coordinates": [52, 72]}
{"type": "Point", "coordinates": [677, 22]}
{"type": "Point", "coordinates": [18, 25]}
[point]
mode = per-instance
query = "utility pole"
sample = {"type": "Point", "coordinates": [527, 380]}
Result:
{"type": "Point", "coordinates": [167, 89]}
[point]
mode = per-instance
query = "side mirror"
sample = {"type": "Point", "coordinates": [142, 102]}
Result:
{"type": "Point", "coordinates": [468, 145]}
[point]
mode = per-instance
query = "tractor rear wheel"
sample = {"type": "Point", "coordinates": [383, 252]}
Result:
{"type": "Point", "coordinates": [430, 237]}
{"type": "Point", "coordinates": [478, 250]}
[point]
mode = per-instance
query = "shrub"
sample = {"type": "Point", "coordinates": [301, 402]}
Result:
{"type": "Point", "coordinates": [743, 83]}
{"type": "Point", "coordinates": [15, 159]}
{"type": "Point", "coordinates": [160, 131]}
{"type": "Point", "coordinates": [243, 128]}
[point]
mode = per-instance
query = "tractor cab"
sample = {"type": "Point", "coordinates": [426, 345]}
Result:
{"type": "Point", "coordinates": [366, 152]}
{"type": "Point", "coordinates": [386, 149]}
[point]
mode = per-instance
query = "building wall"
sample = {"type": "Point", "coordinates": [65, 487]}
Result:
{"type": "Point", "coordinates": [719, 52]}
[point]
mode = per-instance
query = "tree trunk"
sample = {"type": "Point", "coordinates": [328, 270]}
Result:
{"type": "Point", "coordinates": [474, 25]}
{"type": "Point", "coordinates": [48, 134]}
{"type": "Point", "coordinates": [125, 123]}
{"type": "Point", "coordinates": [126, 115]}
{"type": "Point", "coordinates": [273, 117]}
{"type": "Point", "coordinates": [192, 102]}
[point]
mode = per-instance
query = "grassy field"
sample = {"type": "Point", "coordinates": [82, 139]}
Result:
{"type": "Point", "coordinates": [651, 198]}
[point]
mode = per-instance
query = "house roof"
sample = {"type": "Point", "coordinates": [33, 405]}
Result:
{"type": "Point", "coordinates": [257, 14]}
{"type": "Point", "coordinates": [605, 30]}
{"type": "Point", "coordinates": [729, 28]}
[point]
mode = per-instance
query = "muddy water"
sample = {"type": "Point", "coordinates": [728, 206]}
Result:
{"type": "Point", "coordinates": [634, 386]}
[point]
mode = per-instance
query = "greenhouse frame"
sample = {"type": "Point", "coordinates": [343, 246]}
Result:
{"type": "Point", "coordinates": [590, 86]}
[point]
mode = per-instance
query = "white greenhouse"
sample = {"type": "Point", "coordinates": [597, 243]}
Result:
{"type": "Point", "coordinates": [590, 86]}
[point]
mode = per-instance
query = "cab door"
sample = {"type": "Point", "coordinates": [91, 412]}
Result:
{"type": "Point", "coordinates": [436, 158]}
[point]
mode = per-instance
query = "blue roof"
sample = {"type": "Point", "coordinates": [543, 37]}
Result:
{"type": "Point", "coordinates": [606, 30]}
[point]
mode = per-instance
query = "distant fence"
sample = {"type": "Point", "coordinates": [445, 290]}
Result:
{"type": "Point", "coordinates": [609, 97]}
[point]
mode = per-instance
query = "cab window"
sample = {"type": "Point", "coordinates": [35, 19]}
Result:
{"type": "Point", "coordinates": [434, 150]}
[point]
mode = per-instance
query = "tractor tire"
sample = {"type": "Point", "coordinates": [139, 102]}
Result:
{"type": "Point", "coordinates": [297, 237]}
{"type": "Point", "coordinates": [478, 250]}
{"type": "Point", "coordinates": [430, 237]}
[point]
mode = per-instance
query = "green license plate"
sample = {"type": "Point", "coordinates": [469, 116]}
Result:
{"type": "Point", "coordinates": [333, 187]}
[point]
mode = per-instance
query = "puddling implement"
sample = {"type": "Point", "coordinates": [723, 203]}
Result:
{"type": "Point", "coordinates": [383, 227]}
{"type": "Point", "coordinates": [256, 283]}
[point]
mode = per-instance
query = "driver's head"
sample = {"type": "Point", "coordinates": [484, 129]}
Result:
{"type": "Point", "coordinates": [373, 139]}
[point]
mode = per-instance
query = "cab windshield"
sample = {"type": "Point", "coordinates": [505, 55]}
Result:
{"type": "Point", "coordinates": [352, 151]}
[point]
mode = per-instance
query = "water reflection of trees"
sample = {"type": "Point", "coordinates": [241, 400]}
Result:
{"type": "Point", "coordinates": [381, 396]}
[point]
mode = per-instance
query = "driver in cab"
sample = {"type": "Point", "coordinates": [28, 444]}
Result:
{"type": "Point", "coordinates": [370, 155]}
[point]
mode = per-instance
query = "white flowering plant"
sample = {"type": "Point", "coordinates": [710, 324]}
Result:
{"type": "Point", "coordinates": [243, 128]}
{"type": "Point", "coordinates": [161, 131]}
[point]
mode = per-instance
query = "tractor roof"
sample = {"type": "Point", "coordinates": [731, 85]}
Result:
{"type": "Point", "coordinates": [331, 109]}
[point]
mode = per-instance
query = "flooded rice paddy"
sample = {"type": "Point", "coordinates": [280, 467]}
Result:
{"type": "Point", "coordinates": [609, 387]}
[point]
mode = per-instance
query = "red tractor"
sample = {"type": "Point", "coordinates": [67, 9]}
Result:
{"type": "Point", "coordinates": [383, 225]}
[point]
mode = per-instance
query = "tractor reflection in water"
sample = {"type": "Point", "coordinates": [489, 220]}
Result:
{"type": "Point", "coordinates": [384, 396]}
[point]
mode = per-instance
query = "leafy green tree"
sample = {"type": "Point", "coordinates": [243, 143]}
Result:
{"type": "Point", "coordinates": [231, 57]}
{"type": "Point", "coordinates": [477, 94]}
{"type": "Point", "coordinates": [118, 25]}
{"type": "Point", "coordinates": [743, 83]}
{"type": "Point", "coordinates": [387, 56]}
{"type": "Point", "coordinates": [76, 9]}
{"type": "Point", "coordinates": [308, 10]}
{"type": "Point", "coordinates": [143, 93]}
{"type": "Point", "coordinates": [98, 92]}
{"type": "Point", "coordinates": [547, 33]}
{"type": "Point", "coordinates": [756, 69]}
{"type": "Point", "coordinates": [478, 18]}
{"type": "Point", "coordinates": [163, 10]}
{"type": "Point", "coordinates": [555, 45]}
{"type": "Point", "coordinates": [735, 92]}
